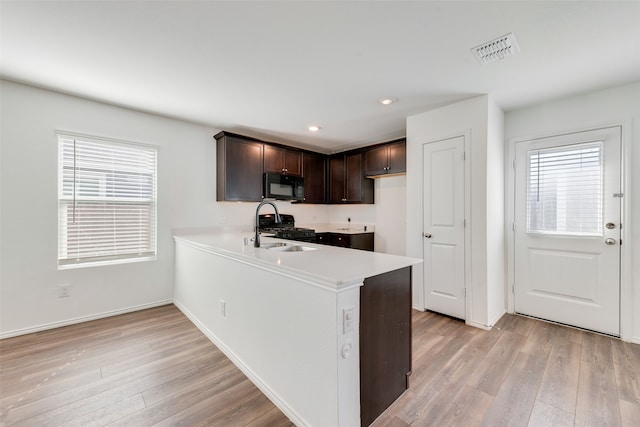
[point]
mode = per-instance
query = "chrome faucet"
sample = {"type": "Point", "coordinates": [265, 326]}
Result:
{"type": "Point", "coordinates": [256, 239]}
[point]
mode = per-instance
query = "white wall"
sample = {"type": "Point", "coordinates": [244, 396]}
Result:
{"type": "Point", "coordinates": [479, 120]}
{"type": "Point", "coordinates": [391, 213]}
{"type": "Point", "coordinates": [496, 237]}
{"type": "Point", "coordinates": [619, 105]}
{"type": "Point", "coordinates": [29, 275]}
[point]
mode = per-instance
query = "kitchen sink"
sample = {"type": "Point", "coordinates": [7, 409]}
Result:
{"type": "Point", "coordinates": [287, 247]}
{"type": "Point", "coordinates": [274, 245]}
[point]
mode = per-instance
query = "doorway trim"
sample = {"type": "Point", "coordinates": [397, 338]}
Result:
{"type": "Point", "coordinates": [468, 282]}
{"type": "Point", "coordinates": [625, 253]}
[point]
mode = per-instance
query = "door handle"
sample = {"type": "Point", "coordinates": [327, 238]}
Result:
{"type": "Point", "coordinates": [610, 225]}
{"type": "Point", "coordinates": [427, 235]}
{"type": "Point", "coordinates": [610, 241]}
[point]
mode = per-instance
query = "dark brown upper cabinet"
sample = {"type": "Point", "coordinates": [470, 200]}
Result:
{"type": "Point", "coordinates": [314, 171]}
{"type": "Point", "coordinates": [282, 160]}
{"type": "Point", "coordinates": [239, 168]}
{"type": "Point", "coordinates": [386, 159]}
{"type": "Point", "coordinates": [347, 183]}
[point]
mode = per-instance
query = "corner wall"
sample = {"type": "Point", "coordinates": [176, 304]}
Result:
{"type": "Point", "coordinates": [479, 119]}
{"type": "Point", "coordinates": [29, 277]}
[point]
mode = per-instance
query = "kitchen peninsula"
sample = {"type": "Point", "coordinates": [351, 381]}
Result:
{"type": "Point", "coordinates": [324, 332]}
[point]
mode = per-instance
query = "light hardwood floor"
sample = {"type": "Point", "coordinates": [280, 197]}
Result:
{"type": "Point", "coordinates": [154, 367]}
{"type": "Point", "coordinates": [524, 372]}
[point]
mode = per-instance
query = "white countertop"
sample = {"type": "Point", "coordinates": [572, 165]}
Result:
{"type": "Point", "coordinates": [329, 266]}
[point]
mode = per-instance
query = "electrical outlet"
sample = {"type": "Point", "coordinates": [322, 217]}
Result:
{"type": "Point", "coordinates": [347, 320]}
{"type": "Point", "coordinates": [223, 308]}
{"type": "Point", "coordinates": [64, 291]}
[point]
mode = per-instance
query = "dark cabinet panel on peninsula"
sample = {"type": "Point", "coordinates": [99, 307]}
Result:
{"type": "Point", "coordinates": [239, 168]}
{"type": "Point", "coordinates": [282, 160]}
{"type": "Point", "coordinates": [314, 171]}
{"type": "Point", "coordinates": [386, 159]}
{"type": "Point", "coordinates": [347, 183]}
{"type": "Point", "coordinates": [385, 341]}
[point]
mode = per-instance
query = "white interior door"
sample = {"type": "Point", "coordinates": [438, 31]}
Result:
{"type": "Point", "coordinates": [443, 226]}
{"type": "Point", "coordinates": [567, 231]}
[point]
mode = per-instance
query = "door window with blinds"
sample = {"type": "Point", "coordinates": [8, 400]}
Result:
{"type": "Point", "coordinates": [565, 190]}
{"type": "Point", "coordinates": [106, 201]}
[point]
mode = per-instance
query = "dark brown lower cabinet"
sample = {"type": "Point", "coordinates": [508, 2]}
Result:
{"type": "Point", "coordinates": [385, 341]}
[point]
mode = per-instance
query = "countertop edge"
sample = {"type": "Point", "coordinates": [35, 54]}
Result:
{"type": "Point", "coordinates": [310, 278]}
{"type": "Point", "coordinates": [224, 245]}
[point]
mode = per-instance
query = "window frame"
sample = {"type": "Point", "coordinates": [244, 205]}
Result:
{"type": "Point", "coordinates": [146, 205]}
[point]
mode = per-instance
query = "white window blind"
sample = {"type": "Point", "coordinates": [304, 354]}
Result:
{"type": "Point", "coordinates": [565, 190]}
{"type": "Point", "coordinates": [106, 201]}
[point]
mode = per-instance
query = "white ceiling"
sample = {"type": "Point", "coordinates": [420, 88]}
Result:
{"type": "Point", "coordinates": [270, 69]}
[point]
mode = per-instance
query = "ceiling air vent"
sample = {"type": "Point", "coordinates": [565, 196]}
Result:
{"type": "Point", "coordinates": [496, 49]}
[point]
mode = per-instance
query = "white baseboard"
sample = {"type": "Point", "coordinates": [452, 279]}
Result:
{"type": "Point", "coordinates": [253, 377]}
{"type": "Point", "coordinates": [82, 319]}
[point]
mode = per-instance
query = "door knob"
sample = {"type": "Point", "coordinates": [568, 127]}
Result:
{"type": "Point", "coordinates": [610, 241]}
{"type": "Point", "coordinates": [427, 235]}
{"type": "Point", "coordinates": [610, 225]}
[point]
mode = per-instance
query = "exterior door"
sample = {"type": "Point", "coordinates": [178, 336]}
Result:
{"type": "Point", "coordinates": [567, 229]}
{"type": "Point", "coordinates": [443, 226]}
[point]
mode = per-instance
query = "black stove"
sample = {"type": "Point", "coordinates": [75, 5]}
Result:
{"type": "Point", "coordinates": [286, 229]}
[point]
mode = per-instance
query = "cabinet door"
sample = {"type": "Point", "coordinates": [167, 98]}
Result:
{"type": "Point", "coordinates": [397, 157]}
{"type": "Point", "coordinates": [314, 171]}
{"type": "Point", "coordinates": [280, 160]}
{"type": "Point", "coordinates": [364, 241]}
{"type": "Point", "coordinates": [342, 240]}
{"type": "Point", "coordinates": [273, 159]}
{"type": "Point", "coordinates": [376, 161]}
{"type": "Point", "coordinates": [293, 162]}
{"type": "Point", "coordinates": [322, 238]}
{"type": "Point", "coordinates": [354, 176]}
{"type": "Point", "coordinates": [336, 179]}
{"type": "Point", "coordinates": [239, 170]}
{"type": "Point", "coordinates": [358, 189]}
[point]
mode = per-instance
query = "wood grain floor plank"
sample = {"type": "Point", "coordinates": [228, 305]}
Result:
{"type": "Point", "coordinates": [559, 386]}
{"type": "Point", "coordinates": [597, 403]}
{"type": "Point", "coordinates": [272, 418]}
{"type": "Point", "coordinates": [106, 414]}
{"type": "Point", "coordinates": [545, 415]}
{"type": "Point", "coordinates": [514, 402]}
{"type": "Point", "coordinates": [466, 408]}
{"type": "Point", "coordinates": [206, 411]}
{"type": "Point", "coordinates": [494, 368]}
{"type": "Point", "coordinates": [629, 413]}
{"type": "Point", "coordinates": [626, 362]}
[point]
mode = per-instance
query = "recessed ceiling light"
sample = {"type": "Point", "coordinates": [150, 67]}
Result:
{"type": "Point", "coordinates": [314, 128]}
{"type": "Point", "coordinates": [387, 101]}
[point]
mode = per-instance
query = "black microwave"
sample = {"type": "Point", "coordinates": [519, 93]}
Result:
{"type": "Point", "coordinates": [283, 187]}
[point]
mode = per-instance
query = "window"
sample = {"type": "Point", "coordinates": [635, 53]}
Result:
{"type": "Point", "coordinates": [565, 190]}
{"type": "Point", "coordinates": [106, 201]}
